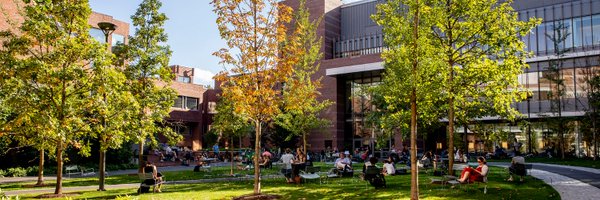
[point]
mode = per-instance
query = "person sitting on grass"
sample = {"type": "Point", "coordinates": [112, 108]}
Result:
{"type": "Point", "coordinates": [388, 168]}
{"type": "Point", "coordinates": [517, 167]}
{"type": "Point", "coordinates": [470, 175]}
{"type": "Point", "coordinates": [371, 162]}
{"type": "Point", "coordinates": [158, 177]}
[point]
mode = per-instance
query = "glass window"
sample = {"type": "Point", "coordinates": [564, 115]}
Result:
{"type": "Point", "coordinates": [577, 34]}
{"type": "Point", "coordinates": [587, 30]}
{"type": "Point", "coordinates": [178, 102]}
{"type": "Point", "coordinates": [541, 37]}
{"type": "Point", "coordinates": [183, 79]}
{"type": "Point", "coordinates": [191, 103]}
{"type": "Point", "coordinates": [97, 34]}
{"type": "Point", "coordinates": [116, 39]}
{"type": "Point", "coordinates": [568, 29]}
{"type": "Point", "coordinates": [596, 28]}
{"type": "Point", "coordinates": [532, 41]}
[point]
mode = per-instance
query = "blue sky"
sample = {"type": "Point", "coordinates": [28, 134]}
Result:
{"type": "Point", "coordinates": [193, 34]}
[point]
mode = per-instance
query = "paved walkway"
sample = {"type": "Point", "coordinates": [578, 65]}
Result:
{"type": "Point", "coordinates": [570, 182]}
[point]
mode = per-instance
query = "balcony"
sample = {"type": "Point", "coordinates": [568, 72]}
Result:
{"type": "Point", "coordinates": [357, 46]}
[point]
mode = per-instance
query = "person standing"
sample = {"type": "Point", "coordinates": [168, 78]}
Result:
{"type": "Point", "coordinates": [286, 159]}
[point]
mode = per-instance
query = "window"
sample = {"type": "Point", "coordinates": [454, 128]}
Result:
{"type": "Point", "coordinates": [183, 102]}
{"type": "Point", "coordinates": [183, 79]}
{"type": "Point", "coordinates": [178, 102]}
{"type": "Point", "coordinates": [212, 107]}
{"type": "Point", "coordinates": [577, 34]}
{"type": "Point", "coordinates": [587, 30]}
{"type": "Point", "coordinates": [117, 39]}
{"type": "Point", "coordinates": [541, 37]}
{"type": "Point", "coordinates": [97, 34]}
{"type": "Point", "coordinates": [596, 28]}
{"type": "Point", "coordinates": [191, 103]}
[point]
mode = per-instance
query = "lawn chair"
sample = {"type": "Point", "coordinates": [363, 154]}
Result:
{"type": "Point", "coordinates": [374, 177]}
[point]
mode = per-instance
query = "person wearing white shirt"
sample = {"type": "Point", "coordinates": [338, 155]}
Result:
{"type": "Point", "coordinates": [388, 168]}
{"type": "Point", "coordinates": [343, 162]}
{"type": "Point", "coordinates": [287, 167]}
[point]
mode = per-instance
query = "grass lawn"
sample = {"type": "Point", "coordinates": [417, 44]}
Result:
{"type": "Point", "coordinates": [398, 187]}
{"type": "Point", "coordinates": [567, 161]}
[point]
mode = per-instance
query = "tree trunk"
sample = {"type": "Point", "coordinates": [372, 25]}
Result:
{"type": "Point", "coordinates": [141, 156]}
{"type": "Point", "coordinates": [102, 169]}
{"type": "Point", "coordinates": [231, 160]}
{"type": "Point", "coordinates": [414, 172]}
{"type": "Point", "coordinates": [304, 143]}
{"type": "Point", "coordinates": [450, 124]}
{"type": "Point", "coordinates": [594, 137]}
{"type": "Point", "coordinates": [40, 180]}
{"type": "Point", "coordinates": [59, 167]}
{"type": "Point", "coordinates": [256, 155]}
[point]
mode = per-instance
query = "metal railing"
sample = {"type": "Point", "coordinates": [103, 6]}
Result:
{"type": "Point", "coordinates": [362, 45]}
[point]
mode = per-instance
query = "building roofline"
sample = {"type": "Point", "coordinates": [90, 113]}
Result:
{"type": "Point", "coordinates": [356, 3]}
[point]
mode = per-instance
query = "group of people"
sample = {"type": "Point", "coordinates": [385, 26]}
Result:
{"type": "Point", "coordinates": [292, 164]}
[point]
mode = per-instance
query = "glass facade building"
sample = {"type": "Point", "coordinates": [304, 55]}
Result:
{"type": "Point", "coordinates": [359, 39]}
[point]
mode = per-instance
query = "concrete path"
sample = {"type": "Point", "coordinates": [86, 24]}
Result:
{"type": "Point", "coordinates": [572, 183]}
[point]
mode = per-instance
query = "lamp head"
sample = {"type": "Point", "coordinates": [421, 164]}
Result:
{"type": "Point", "coordinates": [107, 27]}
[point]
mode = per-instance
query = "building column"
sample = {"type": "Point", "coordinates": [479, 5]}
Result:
{"type": "Point", "coordinates": [196, 138]}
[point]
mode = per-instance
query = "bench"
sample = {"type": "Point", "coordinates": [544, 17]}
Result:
{"type": "Point", "coordinates": [74, 169]}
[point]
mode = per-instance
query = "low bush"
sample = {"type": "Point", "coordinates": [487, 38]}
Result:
{"type": "Point", "coordinates": [16, 172]}
{"type": "Point", "coordinates": [2, 173]}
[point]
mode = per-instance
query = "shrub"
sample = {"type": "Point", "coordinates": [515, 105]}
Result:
{"type": "Point", "coordinates": [17, 172]}
{"type": "Point", "coordinates": [2, 173]}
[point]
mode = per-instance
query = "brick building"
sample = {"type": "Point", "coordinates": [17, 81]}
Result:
{"type": "Point", "coordinates": [186, 112]}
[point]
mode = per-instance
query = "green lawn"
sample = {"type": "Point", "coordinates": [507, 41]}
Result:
{"type": "Point", "coordinates": [338, 188]}
{"type": "Point", "coordinates": [215, 172]}
{"type": "Point", "coordinates": [567, 161]}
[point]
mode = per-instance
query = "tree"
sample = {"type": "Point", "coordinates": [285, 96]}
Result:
{"type": "Point", "coordinates": [148, 75]}
{"type": "Point", "coordinates": [111, 112]}
{"type": "Point", "coordinates": [254, 29]}
{"type": "Point", "coordinates": [50, 57]}
{"type": "Point", "coordinates": [483, 56]}
{"type": "Point", "coordinates": [591, 77]}
{"type": "Point", "coordinates": [229, 124]}
{"type": "Point", "coordinates": [411, 69]}
{"type": "Point", "coordinates": [301, 107]}
{"type": "Point", "coordinates": [560, 34]}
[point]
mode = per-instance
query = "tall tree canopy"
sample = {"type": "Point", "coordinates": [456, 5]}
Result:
{"type": "Point", "coordinates": [49, 58]}
{"type": "Point", "coordinates": [480, 46]}
{"type": "Point", "coordinates": [148, 75]}
{"type": "Point", "coordinates": [411, 68]}
{"type": "Point", "coordinates": [301, 109]}
{"type": "Point", "coordinates": [253, 30]}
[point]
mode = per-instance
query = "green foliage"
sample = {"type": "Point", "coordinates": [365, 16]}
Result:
{"type": "Point", "coordinates": [148, 75]}
{"type": "Point", "coordinates": [2, 173]}
{"type": "Point", "coordinates": [16, 172]}
{"type": "Point", "coordinates": [301, 107]}
{"type": "Point", "coordinates": [227, 123]}
{"type": "Point", "coordinates": [49, 67]}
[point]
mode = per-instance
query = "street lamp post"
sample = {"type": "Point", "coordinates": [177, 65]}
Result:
{"type": "Point", "coordinates": [107, 28]}
{"type": "Point", "coordinates": [529, 97]}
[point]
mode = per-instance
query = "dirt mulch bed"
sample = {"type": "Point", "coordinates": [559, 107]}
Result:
{"type": "Point", "coordinates": [43, 185]}
{"type": "Point", "coordinates": [258, 197]}
{"type": "Point", "coordinates": [47, 196]}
